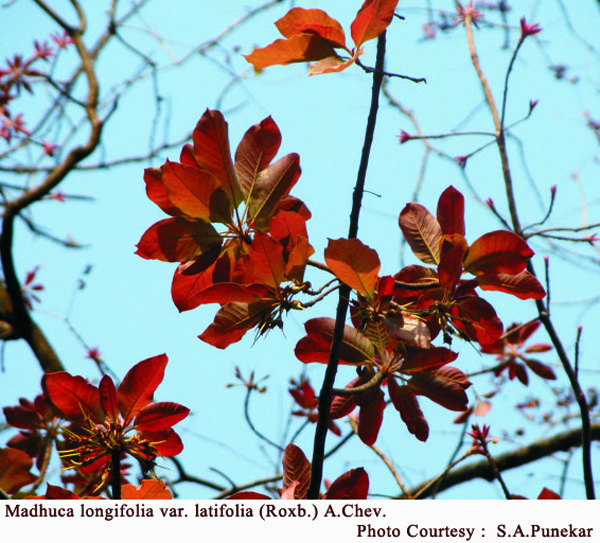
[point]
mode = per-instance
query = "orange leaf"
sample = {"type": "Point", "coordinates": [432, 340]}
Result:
{"type": "Point", "coordinates": [15, 466]}
{"type": "Point", "coordinates": [332, 64]}
{"type": "Point", "coordinates": [312, 21]}
{"type": "Point", "coordinates": [150, 489]}
{"type": "Point", "coordinates": [298, 48]}
{"type": "Point", "coordinates": [354, 264]}
{"type": "Point", "coordinates": [372, 19]}
{"type": "Point", "coordinates": [500, 251]}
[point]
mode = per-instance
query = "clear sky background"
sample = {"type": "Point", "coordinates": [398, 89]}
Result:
{"type": "Point", "coordinates": [125, 309]}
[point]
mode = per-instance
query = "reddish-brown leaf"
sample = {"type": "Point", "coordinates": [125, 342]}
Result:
{"type": "Point", "coordinates": [427, 359]}
{"type": "Point", "coordinates": [477, 319]}
{"type": "Point", "coordinates": [352, 485]}
{"type": "Point", "coordinates": [73, 396]}
{"type": "Point", "coordinates": [422, 232]}
{"type": "Point", "coordinates": [159, 416]}
{"type": "Point", "coordinates": [289, 228]}
{"type": "Point", "coordinates": [139, 384]}
{"type": "Point", "coordinates": [407, 405]}
{"type": "Point", "coordinates": [523, 285]}
{"type": "Point", "coordinates": [445, 386]}
{"type": "Point", "coordinates": [299, 48]}
{"type": "Point", "coordinates": [544, 371]}
{"type": "Point", "coordinates": [354, 264]}
{"type": "Point", "coordinates": [263, 264]}
{"type": "Point", "coordinates": [108, 398]}
{"type": "Point", "coordinates": [451, 212]}
{"type": "Point", "coordinates": [270, 186]}
{"type": "Point", "coordinates": [15, 470]}
{"type": "Point", "coordinates": [371, 20]}
{"type": "Point", "coordinates": [296, 467]}
{"type": "Point", "coordinates": [157, 192]}
{"type": "Point", "coordinates": [311, 21]}
{"type": "Point", "coordinates": [370, 417]}
{"type": "Point", "coordinates": [498, 252]}
{"type": "Point", "coordinates": [233, 320]}
{"type": "Point", "coordinates": [195, 193]}
{"type": "Point", "coordinates": [211, 153]}
{"type": "Point", "coordinates": [315, 347]}
{"type": "Point", "coordinates": [344, 405]}
{"type": "Point", "coordinates": [59, 493]}
{"type": "Point", "coordinates": [177, 240]}
{"type": "Point", "coordinates": [149, 489]}
{"type": "Point", "coordinates": [223, 293]}
{"type": "Point", "coordinates": [450, 267]}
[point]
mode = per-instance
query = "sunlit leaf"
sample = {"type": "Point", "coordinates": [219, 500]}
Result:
{"type": "Point", "coordinates": [372, 19]}
{"type": "Point", "coordinates": [108, 398]}
{"type": "Point", "coordinates": [166, 442]}
{"type": "Point", "coordinates": [160, 416]}
{"type": "Point", "coordinates": [149, 489]}
{"type": "Point", "coordinates": [523, 285]}
{"type": "Point", "coordinates": [74, 396]}
{"type": "Point", "coordinates": [311, 21]}
{"type": "Point", "coordinates": [354, 264]}
{"type": "Point", "coordinates": [498, 252]}
{"type": "Point", "coordinates": [298, 48]}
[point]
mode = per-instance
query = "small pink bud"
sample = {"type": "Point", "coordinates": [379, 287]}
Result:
{"type": "Point", "coordinates": [529, 29]}
{"type": "Point", "coordinates": [403, 137]}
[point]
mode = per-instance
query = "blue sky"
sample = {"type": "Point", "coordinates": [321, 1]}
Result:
{"type": "Point", "coordinates": [125, 309]}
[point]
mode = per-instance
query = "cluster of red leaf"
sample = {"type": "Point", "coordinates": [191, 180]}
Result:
{"type": "Point", "coordinates": [352, 485]}
{"type": "Point", "coordinates": [89, 424]}
{"type": "Point", "coordinates": [396, 318]}
{"type": "Point", "coordinates": [311, 35]}
{"type": "Point", "coordinates": [239, 236]}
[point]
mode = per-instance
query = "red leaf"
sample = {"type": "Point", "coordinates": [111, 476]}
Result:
{"type": "Point", "coordinates": [166, 442]}
{"type": "Point", "coordinates": [270, 186]}
{"type": "Point", "coordinates": [450, 267]}
{"type": "Point", "coordinates": [223, 293]}
{"type": "Point", "coordinates": [451, 212]}
{"type": "Point", "coordinates": [498, 252]}
{"type": "Point", "coordinates": [296, 467]}
{"type": "Point", "coordinates": [544, 371]}
{"type": "Point", "coordinates": [298, 48]}
{"type": "Point", "coordinates": [149, 489]}
{"type": "Point", "coordinates": [177, 240]}
{"type": "Point", "coordinates": [427, 359]}
{"type": "Point", "coordinates": [195, 193]}
{"type": "Point", "coordinates": [312, 21]}
{"type": "Point", "coordinates": [233, 320]}
{"type": "Point", "coordinates": [372, 19]}
{"type": "Point", "coordinates": [547, 494]}
{"type": "Point", "coordinates": [407, 405]}
{"type": "Point", "coordinates": [370, 417]}
{"type": "Point", "coordinates": [289, 228]}
{"type": "Point", "coordinates": [157, 192]}
{"type": "Point", "coordinates": [477, 319]}
{"type": "Point", "coordinates": [422, 232]}
{"type": "Point", "coordinates": [73, 396]}
{"type": "Point", "coordinates": [211, 153]}
{"type": "Point", "coordinates": [352, 485]}
{"type": "Point", "coordinates": [108, 398]}
{"type": "Point", "coordinates": [354, 264]}
{"type": "Point", "coordinates": [343, 405]}
{"type": "Point", "coordinates": [59, 493]}
{"type": "Point", "coordinates": [138, 386]}
{"type": "Point", "coordinates": [15, 471]}
{"type": "Point", "coordinates": [523, 285]}
{"type": "Point", "coordinates": [315, 347]}
{"type": "Point", "coordinates": [263, 264]}
{"type": "Point", "coordinates": [160, 416]}
{"type": "Point", "coordinates": [445, 386]}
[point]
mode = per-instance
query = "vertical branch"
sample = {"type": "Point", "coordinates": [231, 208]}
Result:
{"type": "Point", "coordinates": [542, 309]}
{"type": "Point", "coordinates": [325, 396]}
{"type": "Point", "coordinates": [115, 474]}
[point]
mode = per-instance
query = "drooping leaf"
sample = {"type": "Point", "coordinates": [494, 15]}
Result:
{"type": "Point", "coordinates": [370, 417]}
{"type": "Point", "coordinates": [332, 64]}
{"type": "Point", "coordinates": [296, 467]}
{"type": "Point", "coordinates": [177, 240]}
{"type": "Point", "coordinates": [160, 416]}
{"type": "Point", "coordinates": [450, 267]}
{"type": "Point", "coordinates": [445, 386]}
{"type": "Point", "coordinates": [289, 228]}
{"type": "Point", "coordinates": [139, 384]}
{"type": "Point", "coordinates": [523, 285]}
{"type": "Point", "coordinates": [166, 442]}
{"type": "Point", "coordinates": [73, 396]}
{"type": "Point", "coordinates": [149, 489]}
{"type": "Point", "coordinates": [352, 485]}
{"type": "Point", "coordinates": [477, 319]}
{"type": "Point", "coordinates": [298, 48]}
{"type": "Point", "coordinates": [372, 19]}
{"type": "Point", "coordinates": [422, 232]}
{"type": "Point", "coordinates": [344, 405]}
{"type": "Point", "coordinates": [15, 470]}
{"type": "Point", "coordinates": [312, 21]}
{"type": "Point", "coordinates": [211, 153]}
{"type": "Point", "coordinates": [270, 186]}
{"type": "Point", "coordinates": [407, 405]}
{"type": "Point", "coordinates": [542, 370]}
{"type": "Point", "coordinates": [451, 212]}
{"type": "Point", "coordinates": [498, 252]}
{"type": "Point", "coordinates": [353, 263]}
